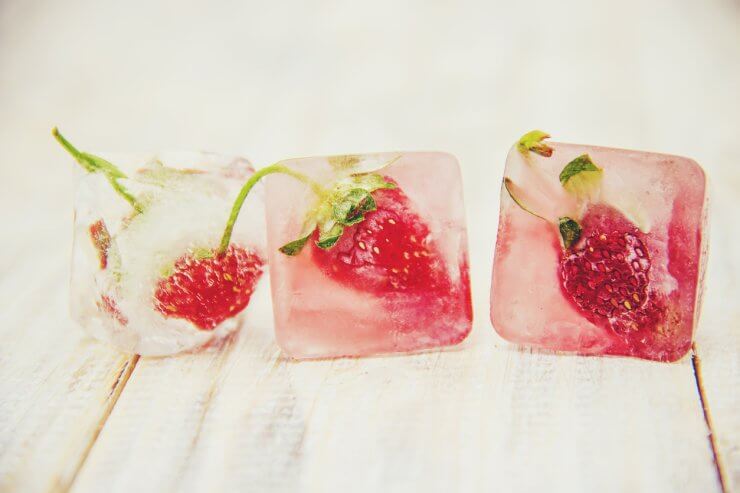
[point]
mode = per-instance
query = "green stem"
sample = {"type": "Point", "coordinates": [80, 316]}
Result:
{"type": "Point", "coordinates": [508, 185]}
{"type": "Point", "coordinates": [95, 164]}
{"type": "Point", "coordinates": [274, 168]}
{"type": "Point", "coordinates": [71, 149]}
{"type": "Point", "coordinates": [121, 190]}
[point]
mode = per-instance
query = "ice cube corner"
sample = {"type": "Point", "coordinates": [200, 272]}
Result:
{"type": "Point", "coordinates": [599, 250]}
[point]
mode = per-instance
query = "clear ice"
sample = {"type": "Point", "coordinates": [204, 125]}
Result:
{"type": "Point", "coordinates": [120, 257]}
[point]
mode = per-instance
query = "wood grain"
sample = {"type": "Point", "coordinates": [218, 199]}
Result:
{"type": "Point", "coordinates": [272, 80]}
{"type": "Point", "coordinates": [718, 344]}
{"type": "Point", "coordinates": [465, 419]}
{"type": "Point", "coordinates": [57, 386]}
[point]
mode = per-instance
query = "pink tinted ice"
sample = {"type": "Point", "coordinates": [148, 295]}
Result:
{"type": "Point", "coordinates": [631, 282]}
{"type": "Point", "coordinates": [398, 281]}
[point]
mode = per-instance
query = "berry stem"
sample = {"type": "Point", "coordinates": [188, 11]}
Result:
{"type": "Point", "coordinates": [121, 190]}
{"type": "Point", "coordinates": [570, 230]}
{"type": "Point", "coordinates": [509, 185]}
{"type": "Point", "coordinates": [268, 170]}
{"type": "Point", "coordinates": [95, 164]}
{"type": "Point", "coordinates": [532, 141]}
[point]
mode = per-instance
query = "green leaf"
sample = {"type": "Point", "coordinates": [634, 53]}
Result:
{"type": "Point", "coordinates": [345, 204]}
{"type": "Point", "coordinates": [570, 231]}
{"type": "Point", "coordinates": [581, 176]}
{"type": "Point", "coordinates": [532, 141]}
{"type": "Point", "coordinates": [294, 247]}
{"type": "Point", "coordinates": [581, 164]}
{"type": "Point", "coordinates": [328, 238]}
{"type": "Point", "coordinates": [352, 207]}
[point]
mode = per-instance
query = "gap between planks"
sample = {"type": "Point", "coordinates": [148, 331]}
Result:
{"type": "Point", "coordinates": [126, 371]}
{"type": "Point", "coordinates": [115, 393]}
{"type": "Point", "coordinates": [696, 363]}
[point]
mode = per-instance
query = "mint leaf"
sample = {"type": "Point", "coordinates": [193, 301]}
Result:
{"type": "Point", "coordinates": [570, 230]}
{"type": "Point", "coordinates": [582, 163]}
{"type": "Point", "coordinates": [532, 141]}
{"type": "Point", "coordinates": [581, 177]}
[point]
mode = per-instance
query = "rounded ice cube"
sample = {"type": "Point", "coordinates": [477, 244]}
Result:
{"type": "Point", "coordinates": [127, 288]}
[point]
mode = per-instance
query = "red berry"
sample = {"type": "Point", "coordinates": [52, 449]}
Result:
{"type": "Point", "coordinates": [608, 276]}
{"type": "Point", "coordinates": [108, 305]}
{"type": "Point", "coordinates": [207, 291]}
{"type": "Point", "coordinates": [101, 240]}
{"type": "Point", "coordinates": [390, 250]}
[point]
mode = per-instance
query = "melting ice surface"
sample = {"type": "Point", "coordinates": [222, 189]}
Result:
{"type": "Point", "coordinates": [184, 211]}
{"type": "Point", "coordinates": [611, 297]}
{"type": "Point", "coordinates": [396, 282]}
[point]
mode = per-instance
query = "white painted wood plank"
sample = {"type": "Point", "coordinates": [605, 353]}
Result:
{"type": "Point", "coordinates": [718, 342]}
{"type": "Point", "coordinates": [457, 420]}
{"type": "Point", "coordinates": [271, 81]}
{"type": "Point", "coordinates": [56, 386]}
{"type": "Point", "coordinates": [705, 102]}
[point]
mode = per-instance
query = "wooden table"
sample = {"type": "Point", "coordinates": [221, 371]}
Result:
{"type": "Point", "coordinates": [270, 80]}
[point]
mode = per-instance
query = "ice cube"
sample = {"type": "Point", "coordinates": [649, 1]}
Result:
{"type": "Point", "coordinates": [396, 281]}
{"type": "Point", "coordinates": [150, 282]}
{"type": "Point", "coordinates": [600, 251]}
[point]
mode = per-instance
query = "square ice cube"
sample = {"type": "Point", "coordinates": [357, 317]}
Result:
{"type": "Point", "coordinates": [614, 263]}
{"type": "Point", "coordinates": [148, 282]}
{"type": "Point", "coordinates": [397, 281]}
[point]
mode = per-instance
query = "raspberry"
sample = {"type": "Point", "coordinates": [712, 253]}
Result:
{"type": "Point", "coordinates": [608, 277]}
